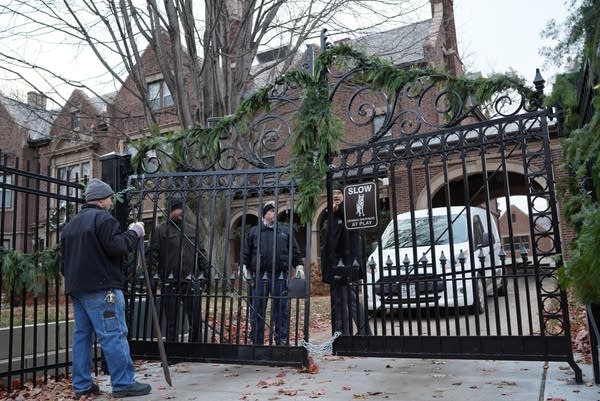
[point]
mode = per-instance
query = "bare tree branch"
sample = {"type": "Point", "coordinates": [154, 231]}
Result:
{"type": "Point", "coordinates": [207, 63]}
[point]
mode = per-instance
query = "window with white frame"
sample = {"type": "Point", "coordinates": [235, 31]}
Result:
{"type": "Point", "coordinates": [85, 170]}
{"type": "Point", "coordinates": [159, 95]}
{"type": "Point", "coordinates": [129, 149]}
{"type": "Point", "coordinates": [378, 123]}
{"type": "Point", "coordinates": [75, 120]}
{"type": "Point", "coordinates": [6, 244]}
{"type": "Point", "coordinates": [6, 195]}
{"type": "Point", "coordinates": [269, 160]}
{"type": "Point", "coordinates": [519, 240]}
{"type": "Point", "coordinates": [72, 173]}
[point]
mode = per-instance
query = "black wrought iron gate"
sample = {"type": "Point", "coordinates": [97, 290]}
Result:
{"type": "Point", "coordinates": [458, 243]}
{"type": "Point", "coordinates": [462, 262]}
{"type": "Point", "coordinates": [206, 295]}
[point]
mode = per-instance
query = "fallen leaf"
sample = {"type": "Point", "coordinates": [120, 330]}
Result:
{"type": "Point", "coordinates": [317, 393]}
{"type": "Point", "coordinates": [269, 382]}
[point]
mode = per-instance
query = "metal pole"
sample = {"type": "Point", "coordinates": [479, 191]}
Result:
{"type": "Point", "coordinates": [157, 333]}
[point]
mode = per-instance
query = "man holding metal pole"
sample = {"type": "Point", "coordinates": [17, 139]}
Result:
{"type": "Point", "coordinates": [92, 246]}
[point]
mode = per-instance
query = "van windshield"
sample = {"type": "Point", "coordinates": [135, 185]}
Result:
{"type": "Point", "coordinates": [421, 234]}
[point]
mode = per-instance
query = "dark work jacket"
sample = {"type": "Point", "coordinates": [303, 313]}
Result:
{"type": "Point", "coordinates": [340, 244]}
{"type": "Point", "coordinates": [267, 241]}
{"type": "Point", "coordinates": [92, 246]}
{"type": "Point", "coordinates": [173, 252]}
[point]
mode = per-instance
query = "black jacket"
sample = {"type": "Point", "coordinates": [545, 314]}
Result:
{"type": "Point", "coordinates": [92, 246]}
{"type": "Point", "coordinates": [177, 253]}
{"type": "Point", "coordinates": [340, 243]}
{"type": "Point", "coordinates": [265, 238]}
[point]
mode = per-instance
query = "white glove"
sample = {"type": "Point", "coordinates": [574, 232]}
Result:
{"type": "Point", "coordinates": [138, 228]}
{"type": "Point", "coordinates": [300, 271]}
{"type": "Point", "coordinates": [246, 273]}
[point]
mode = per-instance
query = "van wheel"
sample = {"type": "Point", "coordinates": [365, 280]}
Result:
{"type": "Point", "coordinates": [477, 307]}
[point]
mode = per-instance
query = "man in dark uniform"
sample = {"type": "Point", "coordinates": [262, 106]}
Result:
{"type": "Point", "coordinates": [269, 251]}
{"type": "Point", "coordinates": [345, 246]}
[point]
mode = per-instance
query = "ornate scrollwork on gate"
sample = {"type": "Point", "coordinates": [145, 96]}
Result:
{"type": "Point", "coordinates": [350, 100]}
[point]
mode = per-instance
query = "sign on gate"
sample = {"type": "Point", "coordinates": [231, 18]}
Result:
{"type": "Point", "coordinates": [360, 205]}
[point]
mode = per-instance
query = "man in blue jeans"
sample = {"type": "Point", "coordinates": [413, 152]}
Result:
{"type": "Point", "coordinates": [92, 246]}
{"type": "Point", "coordinates": [269, 250]}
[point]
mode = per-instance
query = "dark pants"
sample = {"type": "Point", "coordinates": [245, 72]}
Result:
{"type": "Point", "coordinates": [265, 286]}
{"type": "Point", "coordinates": [172, 296]}
{"type": "Point", "coordinates": [345, 307]}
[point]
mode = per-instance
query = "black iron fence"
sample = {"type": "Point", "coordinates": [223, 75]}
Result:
{"type": "Point", "coordinates": [214, 303]}
{"type": "Point", "coordinates": [35, 316]}
{"type": "Point", "coordinates": [449, 276]}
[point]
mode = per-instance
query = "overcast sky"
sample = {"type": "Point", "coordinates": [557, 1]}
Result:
{"type": "Point", "coordinates": [495, 36]}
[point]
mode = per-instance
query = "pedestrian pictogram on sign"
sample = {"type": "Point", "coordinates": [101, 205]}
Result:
{"type": "Point", "coordinates": [360, 205]}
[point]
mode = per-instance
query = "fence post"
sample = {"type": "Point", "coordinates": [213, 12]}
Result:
{"type": "Point", "coordinates": [115, 170]}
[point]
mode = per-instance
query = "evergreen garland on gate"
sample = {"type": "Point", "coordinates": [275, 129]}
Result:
{"type": "Point", "coordinates": [316, 130]}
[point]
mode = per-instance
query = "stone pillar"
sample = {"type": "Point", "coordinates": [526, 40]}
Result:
{"type": "Point", "coordinates": [115, 171]}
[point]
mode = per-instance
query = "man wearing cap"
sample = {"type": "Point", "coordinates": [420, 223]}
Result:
{"type": "Point", "coordinates": [92, 246]}
{"type": "Point", "coordinates": [180, 260]}
{"type": "Point", "coordinates": [344, 248]}
{"type": "Point", "coordinates": [269, 250]}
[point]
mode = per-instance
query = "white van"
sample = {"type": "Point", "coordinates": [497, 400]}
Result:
{"type": "Point", "coordinates": [437, 279]}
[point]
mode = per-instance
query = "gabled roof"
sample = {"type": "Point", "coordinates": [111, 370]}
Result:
{"type": "Point", "coordinates": [37, 122]}
{"type": "Point", "coordinates": [402, 46]}
{"type": "Point", "coordinates": [99, 103]}
{"type": "Point", "coordinates": [542, 221]}
{"type": "Point", "coordinates": [273, 72]}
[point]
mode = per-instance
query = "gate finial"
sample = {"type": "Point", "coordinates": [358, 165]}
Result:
{"type": "Point", "coordinates": [539, 82]}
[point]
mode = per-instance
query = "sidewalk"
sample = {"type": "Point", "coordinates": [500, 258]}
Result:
{"type": "Point", "coordinates": [349, 378]}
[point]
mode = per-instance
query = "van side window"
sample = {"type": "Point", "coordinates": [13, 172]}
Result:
{"type": "Point", "coordinates": [477, 230]}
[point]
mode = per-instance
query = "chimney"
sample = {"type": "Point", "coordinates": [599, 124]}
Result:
{"type": "Point", "coordinates": [37, 100]}
{"type": "Point", "coordinates": [443, 11]}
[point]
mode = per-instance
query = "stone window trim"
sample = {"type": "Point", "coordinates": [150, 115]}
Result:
{"type": "Point", "coordinates": [159, 95]}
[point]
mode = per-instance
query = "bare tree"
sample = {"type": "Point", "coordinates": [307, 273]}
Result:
{"type": "Point", "coordinates": [216, 43]}
{"type": "Point", "coordinates": [205, 51]}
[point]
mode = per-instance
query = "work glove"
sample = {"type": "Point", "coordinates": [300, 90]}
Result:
{"type": "Point", "coordinates": [246, 273]}
{"type": "Point", "coordinates": [138, 228]}
{"type": "Point", "coordinates": [300, 271]}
